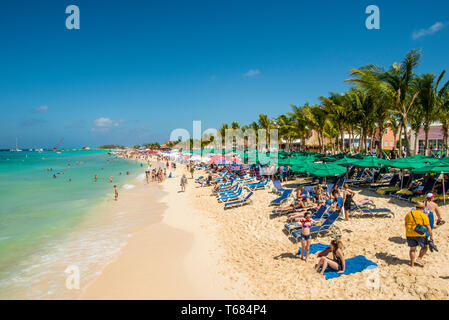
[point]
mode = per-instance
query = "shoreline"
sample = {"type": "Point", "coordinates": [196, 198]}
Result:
{"type": "Point", "coordinates": [161, 260]}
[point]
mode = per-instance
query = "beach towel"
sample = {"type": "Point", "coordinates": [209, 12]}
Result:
{"type": "Point", "coordinates": [353, 265]}
{"type": "Point", "coordinates": [314, 248]}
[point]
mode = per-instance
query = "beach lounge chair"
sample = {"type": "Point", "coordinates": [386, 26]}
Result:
{"type": "Point", "coordinates": [297, 225]}
{"type": "Point", "coordinates": [239, 203]}
{"type": "Point", "coordinates": [328, 226]}
{"type": "Point", "coordinates": [357, 178]}
{"type": "Point", "coordinates": [374, 211]}
{"type": "Point", "coordinates": [420, 190]}
{"type": "Point", "coordinates": [230, 196]}
{"type": "Point", "coordinates": [259, 185]}
{"type": "Point", "coordinates": [285, 195]}
{"type": "Point", "coordinates": [277, 187]}
{"type": "Point", "coordinates": [391, 182]}
{"type": "Point", "coordinates": [230, 190]}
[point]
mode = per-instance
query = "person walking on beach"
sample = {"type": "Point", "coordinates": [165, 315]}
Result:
{"type": "Point", "coordinates": [417, 226]}
{"type": "Point", "coordinates": [432, 207]}
{"type": "Point", "coordinates": [183, 183]}
{"type": "Point", "coordinates": [115, 193]}
{"type": "Point", "coordinates": [192, 170]}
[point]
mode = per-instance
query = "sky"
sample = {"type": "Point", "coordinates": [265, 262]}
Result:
{"type": "Point", "coordinates": [136, 70]}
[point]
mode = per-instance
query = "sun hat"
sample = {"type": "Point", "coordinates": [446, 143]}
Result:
{"type": "Point", "coordinates": [419, 205]}
{"type": "Point", "coordinates": [430, 195]}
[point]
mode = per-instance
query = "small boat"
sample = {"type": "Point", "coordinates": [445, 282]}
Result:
{"type": "Point", "coordinates": [16, 149]}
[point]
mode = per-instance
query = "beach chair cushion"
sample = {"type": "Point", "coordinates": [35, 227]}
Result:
{"type": "Point", "coordinates": [376, 210]}
{"type": "Point", "coordinates": [353, 265]}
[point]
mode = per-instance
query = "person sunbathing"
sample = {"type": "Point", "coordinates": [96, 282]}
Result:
{"type": "Point", "coordinates": [336, 263]}
{"type": "Point", "coordinates": [319, 193]}
{"type": "Point", "coordinates": [296, 205]}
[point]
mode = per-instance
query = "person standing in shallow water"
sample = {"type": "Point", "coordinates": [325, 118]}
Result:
{"type": "Point", "coordinates": [115, 193]}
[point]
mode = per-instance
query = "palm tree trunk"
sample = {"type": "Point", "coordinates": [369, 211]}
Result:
{"type": "Point", "coordinates": [426, 139]}
{"type": "Point", "coordinates": [407, 140]}
{"type": "Point", "coordinates": [400, 141]}
{"type": "Point", "coordinates": [416, 142]}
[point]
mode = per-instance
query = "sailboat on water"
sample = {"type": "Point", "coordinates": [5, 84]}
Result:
{"type": "Point", "coordinates": [17, 148]}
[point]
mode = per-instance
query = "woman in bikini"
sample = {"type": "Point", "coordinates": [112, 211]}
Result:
{"type": "Point", "coordinates": [306, 237]}
{"type": "Point", "coordinates": [337, 262]}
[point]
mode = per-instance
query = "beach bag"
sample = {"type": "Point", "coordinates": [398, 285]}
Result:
{"type": "Point", "coordinates": [419, 229]}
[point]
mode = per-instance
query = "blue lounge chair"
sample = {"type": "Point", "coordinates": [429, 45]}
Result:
{"type": "Point", "coordinates": [285, 194]}
{"type": "Point", "coordinates": [327, 226]}
{"type": "Point", "coordinates": [277, 186]}
{"type": "Point", "coordinates": [239, 203]}
{"type": "Point", "coordinates": [357, 178]}
{"type": "Point", "coordinates": [231, 196]}
{"type": "Point", "coordinates": [259, 185]}
{"type": "Point", "coordinates": [317, 216]}
{"type": "Point", "coordinates": [378, 210]}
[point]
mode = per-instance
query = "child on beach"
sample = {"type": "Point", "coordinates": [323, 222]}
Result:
{"type": "Point", "coordinates": [115, 193]}
{"type": "Point", "coordinates": [306, 237]}
{"type": "Point", "coordinates": [183, 183]}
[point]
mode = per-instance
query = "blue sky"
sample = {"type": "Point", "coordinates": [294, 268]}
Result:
{"type": "Point", "coordinates": [138, 69]}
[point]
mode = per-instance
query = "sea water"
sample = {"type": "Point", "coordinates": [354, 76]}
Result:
{"type": "Point", "coordinates": [47, 221]}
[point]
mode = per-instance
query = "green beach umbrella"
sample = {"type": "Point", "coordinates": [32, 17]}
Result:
{"type": "Point", "coordinates": [325, 170]}
{"type": "Point", "coordinates": [406, 163]}
{"type": "Point", "coordinates": [369, 162]}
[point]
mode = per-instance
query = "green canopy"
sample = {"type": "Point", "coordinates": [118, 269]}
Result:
{"type": "Point", "coordinates": [406, 163]}
{"type": "Point", "coordinates": [369, 162]}
{"type": "Point", "coordinates": [325, 170]}
{"type": "Point", "coordinates": [345, 161]}
{"type": "Point", "coordinates": [441, 166]}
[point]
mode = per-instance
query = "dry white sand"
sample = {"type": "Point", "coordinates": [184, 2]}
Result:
{"type": "Point", "coordinates": [201, 251]}
{"type": "Point", "coordinates": [255, 246]}
{"type": "Point", "coordinates": [174, 258]}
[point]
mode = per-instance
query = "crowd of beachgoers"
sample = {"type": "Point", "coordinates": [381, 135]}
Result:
{"type": "Point", "coordinates": [321, 212]}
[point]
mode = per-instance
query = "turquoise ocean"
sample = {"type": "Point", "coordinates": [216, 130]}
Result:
{"type": "Point", "coordinates": [48, 224]}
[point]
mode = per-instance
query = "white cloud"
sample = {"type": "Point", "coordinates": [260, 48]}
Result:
{"type": "Point", "coordinates": [104, 124]}
{"type": "Point", "coordinates": [251, 73]}
{"type": "Point", "coordinates": [437, 26]}
{"type": "Point", "coordinates": [41, 109]}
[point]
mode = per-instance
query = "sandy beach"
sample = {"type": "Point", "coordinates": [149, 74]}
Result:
{"type": "Point", "coordinates": [198, 250]}
{"type": "Point", "coordinates": [174, 258]}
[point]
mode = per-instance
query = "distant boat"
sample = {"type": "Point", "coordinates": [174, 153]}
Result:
{"type": "Point", "coordinates": [16, 149]}
{"type": "Point", "coordinates": [39, 149]}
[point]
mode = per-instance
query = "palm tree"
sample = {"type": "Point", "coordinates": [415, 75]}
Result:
{"type": "Point", "coordinates": [337, 112]}
{"type": "Point", "coordinates": [442, 98]}
{"type": "Point", "coordinates": [397, 83]}
{"type": "Point", "coordinates": [301, 123]}
{"type": "Point", "coordinates": [415, 119]}
{"type": "Point", "coordinates": [286, 126]}
{"type": "Point", "coordinates": [265, 123]}
{"type": "Point", "coordinates": [316, 116]}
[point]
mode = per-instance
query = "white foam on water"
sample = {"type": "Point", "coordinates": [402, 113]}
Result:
{"type": "Point", "coordinates": [141, 177]}
{"type": "Point", "coordinates": [128, 186]}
